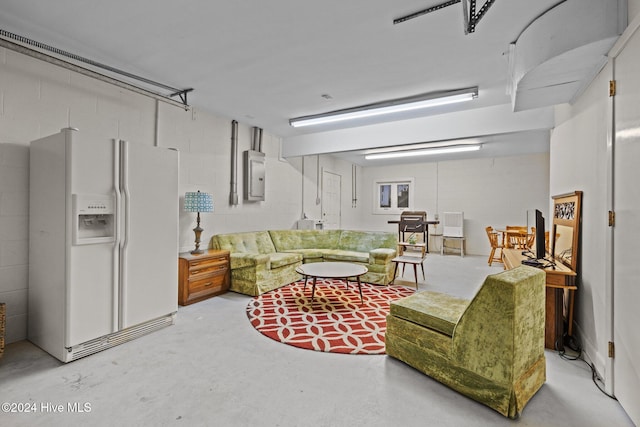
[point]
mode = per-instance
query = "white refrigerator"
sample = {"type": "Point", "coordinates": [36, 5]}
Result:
{"type": "Point", "coordinates": [103, 239]}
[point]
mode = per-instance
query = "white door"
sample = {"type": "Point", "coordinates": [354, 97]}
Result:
{"type": "Point", "coordinates": [331, 195]}
{"type": "Point", "coordinates": [626, 201]}
{"type": "Point", "coordinates": [91, 309]}
{"type": "Point", "coordinates": [150, 260]}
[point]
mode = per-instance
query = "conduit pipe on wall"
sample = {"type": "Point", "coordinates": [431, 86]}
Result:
{"type": "Point", "coordinates": [302, 214]}
{"type": "Point", "coordinates": [254, 138]}
{"type": "Point", "coordinates": [354, 196]}
{"type": "Point", "coordinates": [156, 124]}
{"type": "Point", "coordinates": [317, 179]}
{"type": "Point", "coordinates": [233, 196]}
{"type": "Point", "coordinates": [256, 142]}
{"type": "Point", "coordinates": [25, 50]}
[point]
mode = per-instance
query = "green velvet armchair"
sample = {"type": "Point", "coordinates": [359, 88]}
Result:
{"type": "Point", "coordinates": [490, 349]}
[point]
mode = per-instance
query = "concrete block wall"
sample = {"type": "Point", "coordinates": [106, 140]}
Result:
{"type": "Point", "coordinates": [38, 99]}
{"type": "Point", "coordinates": [14, 236]}
{"type": "Point", "coordinates": [491, 191]}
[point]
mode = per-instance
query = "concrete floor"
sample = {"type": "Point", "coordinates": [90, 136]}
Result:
{"type": "Point", "coordinates": [213, 369]}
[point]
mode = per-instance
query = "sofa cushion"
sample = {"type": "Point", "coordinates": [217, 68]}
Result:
{"type": "Point", "coordinates": [308, 253]}
{"type": "Point", "coordinates": [345, 256]}
{"type": "Point", "coordinates": [432, 310]}
{"type": "Point", "coordinates": [364, 241]}
{"type": "Point", "coordinates": [279, 259]}
{"type": "Point", "coordinates": [253, 242]}
{"type": "Point", "coordinates": [288, 240]}
{"type": "Point", "coordinates": [241, 260]}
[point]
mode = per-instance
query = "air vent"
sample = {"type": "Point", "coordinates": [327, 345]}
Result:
{"type": "Point", "coordinates": [117, 338]}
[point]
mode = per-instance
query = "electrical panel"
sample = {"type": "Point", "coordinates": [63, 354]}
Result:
{"type": "Point", "coordinates": [254, 174]}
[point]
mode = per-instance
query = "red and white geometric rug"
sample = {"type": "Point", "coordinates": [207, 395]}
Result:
{"type": "Point", "coordinates": [336, 322]}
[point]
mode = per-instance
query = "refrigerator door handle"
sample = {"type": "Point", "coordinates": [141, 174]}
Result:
{"type": "Point", "coordinates": [115, 318]}
{"type": "Point", "coordinates": [124, 238]}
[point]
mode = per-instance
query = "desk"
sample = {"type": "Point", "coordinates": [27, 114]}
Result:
{"type": "Point", "coordinates": [426, 240]}
{"type": "Point", "coordinates": [560, 282]}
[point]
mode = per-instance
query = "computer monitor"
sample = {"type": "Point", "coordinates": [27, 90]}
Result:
{"type": "Point", "coordinates": [540, 243]}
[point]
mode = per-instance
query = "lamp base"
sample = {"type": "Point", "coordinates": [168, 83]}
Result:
{"type": "Point", "coordinates": [198, 231]}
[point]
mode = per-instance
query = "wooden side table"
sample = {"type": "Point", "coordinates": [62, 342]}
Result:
{"type": "Point", "coordinates": [202, 276]}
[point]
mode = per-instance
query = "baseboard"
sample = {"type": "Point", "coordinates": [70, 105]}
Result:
{"type": "Point", "coordinates": [591, 354]}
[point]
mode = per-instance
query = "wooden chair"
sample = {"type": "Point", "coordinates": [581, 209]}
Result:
{"type": "Point", "coordinates": [516, 237]}
{"type": "Point", "coordinates": [494, 241]}
{"type": "Point", "coordinates": [531, 239]}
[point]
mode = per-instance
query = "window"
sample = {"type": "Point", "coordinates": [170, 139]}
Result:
{"type": "Point", "coordinates": [393, 196]}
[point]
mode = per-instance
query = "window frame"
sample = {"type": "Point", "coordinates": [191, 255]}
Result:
{"type": "Point", "coordinates": [392, 198]}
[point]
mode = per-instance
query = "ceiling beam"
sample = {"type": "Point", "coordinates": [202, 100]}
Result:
{"type": "Point", "coordinates": [492, 120]}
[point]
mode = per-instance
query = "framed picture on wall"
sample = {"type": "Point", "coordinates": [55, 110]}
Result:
{"type": "Point", "coordinates": [393, 196]}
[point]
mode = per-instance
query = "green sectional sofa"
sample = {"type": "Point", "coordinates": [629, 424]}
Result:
{"type": "Point", "coordinates": [490, 349]}
{"type": "Point", "coordinates": [265, 260]}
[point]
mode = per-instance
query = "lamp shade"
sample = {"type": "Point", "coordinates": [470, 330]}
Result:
{"type": "Point", "coordinates": [198, 202]}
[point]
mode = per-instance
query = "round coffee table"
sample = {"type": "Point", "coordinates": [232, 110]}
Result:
{"type": "Point", "coordinates": [332, 270]}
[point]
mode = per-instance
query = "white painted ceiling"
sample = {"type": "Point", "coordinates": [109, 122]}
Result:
{"type": "Point", "coordinates": [264, 62]}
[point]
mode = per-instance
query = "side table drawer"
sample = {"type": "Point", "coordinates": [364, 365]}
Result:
{"type": "Point", "coordinates": [556, 279]}
{"type": "Point", "coordinates": [209, 284]}
{"type": "Point", "coordinates": [200, 268]}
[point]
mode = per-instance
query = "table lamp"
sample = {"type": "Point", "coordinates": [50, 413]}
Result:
{"type": "Point", "coordinates": [198, 202]}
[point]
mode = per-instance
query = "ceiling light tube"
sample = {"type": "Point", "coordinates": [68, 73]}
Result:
{"type": "Point", "coordinates": [388, 107]}
{"type": "Point", "coordinates": [421, 145]}
{"type": "Point", "coordinates": [424, 152]}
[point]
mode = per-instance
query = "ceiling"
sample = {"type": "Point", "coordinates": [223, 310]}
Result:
{"type": "Point", "coordinates": [264, 62]}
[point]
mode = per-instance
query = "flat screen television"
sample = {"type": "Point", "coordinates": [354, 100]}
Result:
{"type": "Point", "coordinates": [540, 243]}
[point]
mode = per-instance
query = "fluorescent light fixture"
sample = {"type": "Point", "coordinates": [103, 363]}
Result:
{"type": "Point", "coordinates": [423, 152]}
{"type": "Point", "coordinates": [395, 106]}
{"type": "Point", "coordinates": [430, 145]}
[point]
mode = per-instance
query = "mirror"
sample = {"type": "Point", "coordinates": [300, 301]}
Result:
{"type": "Point", "coordinates": [566, 225]}
{"type": "Point", "coordinates": [564, 244]}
